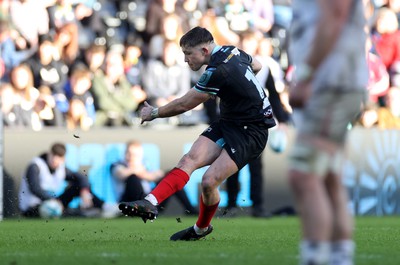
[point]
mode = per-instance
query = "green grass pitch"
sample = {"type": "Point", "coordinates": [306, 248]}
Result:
{"type": "Point", "coordinates": [241, 240]}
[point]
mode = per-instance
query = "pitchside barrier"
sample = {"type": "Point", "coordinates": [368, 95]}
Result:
{"type": "Point", "coordinates": [371, 172]}
{"type": "Point", "coordinates": [98, 158]}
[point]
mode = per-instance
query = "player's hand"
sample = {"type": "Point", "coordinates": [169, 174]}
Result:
{"type": "Point", "coordinates": [282, 126]}
{"type": "Point", "coordinates": [86, 199]}
{"type": "Point", "coordinates": [145, 112]}
{"type": "Point", "coordinates": [299, 94]}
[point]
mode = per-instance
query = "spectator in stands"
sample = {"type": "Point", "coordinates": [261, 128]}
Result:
{"type": "Point", "coordinates": [219, 28]}
{"type": "Point", "coordinates": [30, 19]}
{"type": "Point", "coordinates": [5, 10]}
{"type": "Point", "coordinates": [166, 79]}
{"type": "Point", "coordinates": [77, 116]}
{"type": "Point", "coordinates": [394, 5]}
{"type": "Point", "coordinates": [81, 113]}
{"type": "Point", "coordinates": [116, 101]}
{"type": "Point", "coordinates": [383, 117]}
{"type": "Point", "coordinates": [60, 14]}
{"type": "Point", "coordinates": [260, 46]}
{"type": "Point", "coordinates": [93, 59]}
{"type": "Point", "coordinates": [66, 42]}
{"type": "Point", "coordinates": [386, 37]}
{"type": "Point", "coordinates": [133, 181]}
{"type": "Point", "coordinates": [10, 54]}
{"type": "Point", "coordinates": [378, 78]}
{"type": "Point", "coordinates": [133, 62]}
{"type": "Point", "coordinates": [193, 11]}
{"type": "Point", "coordinates": [25, 97]}
{"type": "Point", "coordinates": [389, 115]}
{"type": "Point", "coordinates": [265, 54]}
{"type": "Point", "coordinates": [171, 31]}
{"type": "Point", "coordinates": [47, 108]}
{"type": "Point", "coordinates": [261, 14]}
{"type": "Point", "coordinates": [237, 16]}
{"type": "Point", "coordinates": [46, 70]}
{"type": "Point", "coordinates": [369, 10]}
{"type": "Point", "coordinates": [156, 11]}
{"type": "Point", "coordinates": [369, 117]}
{"type": "Point", "coordinates": [89, 22]}
{"type": "Point", "coordinates": [45, 178]}
{"type": "Point", "coordinates": [10, 111]}
{"type": "Point", "coordinates": [50, 73]}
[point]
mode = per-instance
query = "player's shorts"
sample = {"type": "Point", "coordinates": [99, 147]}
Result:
{"type": "Point", "coordinates": [243, 142]}
{"type": "Point", "coordinates": [327, 116]}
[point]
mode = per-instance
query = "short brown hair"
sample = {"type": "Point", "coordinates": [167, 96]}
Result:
{"type": "Point", "coordinates": [58, 149]}
{"type": "Point", "coordinates": [133, 143]}
{"type": "Point", "coordinates": [196, 36]}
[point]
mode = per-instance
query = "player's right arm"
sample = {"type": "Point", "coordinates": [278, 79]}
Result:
{"type": "Point", "coordinates": [121, 171]}
{"type": "Point", "coordinates": [189, 101]}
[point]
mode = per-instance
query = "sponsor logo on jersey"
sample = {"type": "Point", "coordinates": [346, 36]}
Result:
{"type": "Point", "coordinates": [268, 113]}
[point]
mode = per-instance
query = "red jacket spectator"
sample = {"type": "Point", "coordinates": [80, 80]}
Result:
{"type": "Point", "coordinates": [388, 47]}
{"type": "Point", "coordinates": [387, 37]}
{"type": "Point", "coordinates": [378, 82]}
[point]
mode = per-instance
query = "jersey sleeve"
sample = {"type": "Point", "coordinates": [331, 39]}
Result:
{"type": "Point", "coordinates": [210, 81]}
{"type": "Point", "coordinates": [245, 57]}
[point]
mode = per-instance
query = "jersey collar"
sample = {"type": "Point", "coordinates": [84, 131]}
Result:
{"type": "Point", "coordinates": [216, 48]}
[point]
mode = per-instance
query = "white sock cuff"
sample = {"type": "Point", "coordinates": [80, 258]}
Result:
{"type": "Point", "coordinates": [199, 230]}
{"type": "Point", "coordinates": [342, 252]}
{"type": "Point", "coordinates": [315, 252]}
{"type": "Point", "coordinates": [344, 245]}
{"type": "Point", "coordinates": [153, 200]}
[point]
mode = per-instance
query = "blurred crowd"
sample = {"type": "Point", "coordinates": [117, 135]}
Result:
{"type": "Point", "coordinates": [383, 55]}
{"type": "Point", "coordinates": [80, 64]}
{"type": "Point", "coordinates": [87, 63]}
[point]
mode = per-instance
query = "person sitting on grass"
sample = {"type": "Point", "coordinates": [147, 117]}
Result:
{"type": "Point", "coordinates": [45, 179]}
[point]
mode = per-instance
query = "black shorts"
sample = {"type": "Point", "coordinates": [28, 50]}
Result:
{"type": "Point", "coordinates": [244, 142]}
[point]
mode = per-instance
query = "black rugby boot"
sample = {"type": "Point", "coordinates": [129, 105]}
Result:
{"type": "Point", "coordinates": [190, 235]}
{"type": "Point", "coordinates": [140, 208]}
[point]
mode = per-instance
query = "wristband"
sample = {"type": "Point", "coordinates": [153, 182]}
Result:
{"type": "Point", "coordinates": [303, 72]}
{"type": "Point", "coordinates": [154, 113]}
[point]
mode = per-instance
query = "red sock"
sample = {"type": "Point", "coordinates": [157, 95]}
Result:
{"type": "Point", "coordinates": [206, 214]}
{"type": "Point", "coordinates": [175, 180]}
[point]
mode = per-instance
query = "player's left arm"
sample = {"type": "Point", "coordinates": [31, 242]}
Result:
{"type": "Point", "coordinates": [189, 101]}
{"type": "Point", "coordinates": [330, 25]}
{"type": "Point", "coordinates": [334, 15]}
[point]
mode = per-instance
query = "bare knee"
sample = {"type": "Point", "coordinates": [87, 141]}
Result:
{"type": "Point", "coordinates": [208, 185]}
{"type": "Point", "coordinates": [186, 159]}
{"type": "Point", "coordinates": [187, 163]}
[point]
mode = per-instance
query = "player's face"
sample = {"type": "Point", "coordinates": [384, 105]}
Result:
{"type": "Point", "coordinates": [194, 56]}
{"type": "Point", "coordinates": [134, 155]}
{"type": "Point", "coordinates": [55, 161]}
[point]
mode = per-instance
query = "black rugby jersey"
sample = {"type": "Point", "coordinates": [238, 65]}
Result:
{"type": "Point", "coordinates": [230, 77]}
